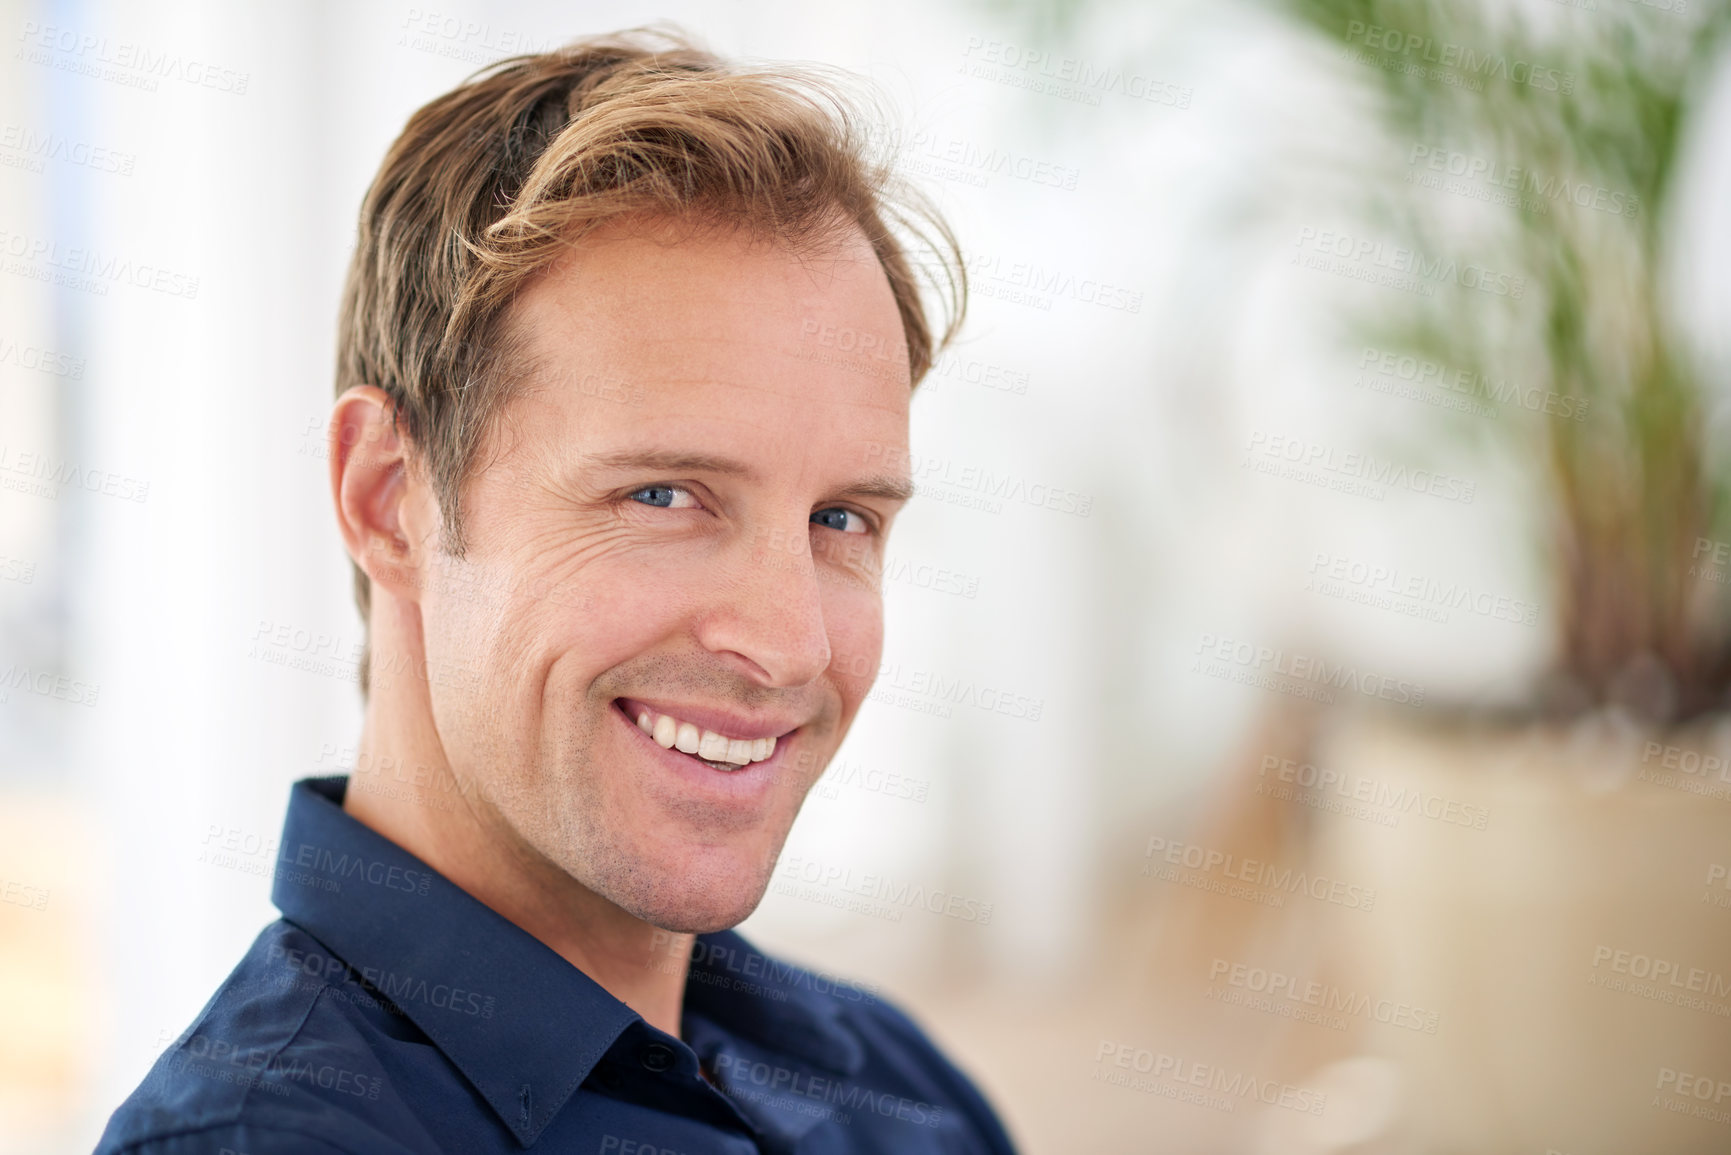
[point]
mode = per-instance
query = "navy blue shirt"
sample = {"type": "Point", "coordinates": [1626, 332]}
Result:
{"type": "Point", "coordinates": [390, 1011]}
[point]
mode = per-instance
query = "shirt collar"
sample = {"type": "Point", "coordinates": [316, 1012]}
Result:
{"type": "Point", "coordinates": [446, 960]}
{"type": "Point", "coordinates": [523, 1025]}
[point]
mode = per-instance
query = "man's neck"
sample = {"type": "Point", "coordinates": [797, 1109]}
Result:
{"type": "Point", "coordinates": [638, 964]}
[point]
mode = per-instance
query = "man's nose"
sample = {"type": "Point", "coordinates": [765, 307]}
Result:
{"type": "Point", "coordinates": [770, 611]}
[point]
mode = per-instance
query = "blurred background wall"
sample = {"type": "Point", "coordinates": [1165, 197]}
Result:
{"type": "Point", "coordinates": [1307, 657]}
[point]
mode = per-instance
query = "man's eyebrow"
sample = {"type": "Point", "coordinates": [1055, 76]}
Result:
{"type": "Point", "coordinates": [672, 461]}
{"type": "Point", "coordinates": [888, 486]}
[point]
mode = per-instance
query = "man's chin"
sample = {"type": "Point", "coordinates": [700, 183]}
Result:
{"type": "Point", "coordinates": [704, 915]}
{"type": "Point", "coordinates": [684, 904]}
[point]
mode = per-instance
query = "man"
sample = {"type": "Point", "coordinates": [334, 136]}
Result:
{"type": "Point", "coordinates": [624, 371]}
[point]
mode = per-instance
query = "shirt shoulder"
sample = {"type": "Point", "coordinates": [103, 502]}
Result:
{"type": "Point", "coordinates": [820, 1046]}
{"type": "Point", "coordinates": [232, 1139]}
{"type": "Point", "coordinates": [897, 1049]}
{"type": "Point", "coordinates": [277, 1061]}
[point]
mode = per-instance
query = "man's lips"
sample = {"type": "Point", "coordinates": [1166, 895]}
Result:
{"type": "Point", "coordinates": [725, 723]}
{"type": "Point", "coordinates": [724, 740]}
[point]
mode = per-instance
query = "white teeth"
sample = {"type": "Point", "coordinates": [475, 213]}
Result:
{"type": "Point", "coordinates": [670, 732]}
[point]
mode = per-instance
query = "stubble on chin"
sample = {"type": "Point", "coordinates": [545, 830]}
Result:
{"type": "Point", "coordinates": [569, 818]}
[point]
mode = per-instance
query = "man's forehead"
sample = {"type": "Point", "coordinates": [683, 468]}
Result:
{"type": "Point", "coordinates": [668, 287]}
{"type": "Point", "coordinates": [615, 419]}
{"type": "Point", "coordinates": [717, 360]}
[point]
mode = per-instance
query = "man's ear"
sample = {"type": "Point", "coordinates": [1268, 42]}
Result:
{"type": "Point", "coordinates": [378, 496]}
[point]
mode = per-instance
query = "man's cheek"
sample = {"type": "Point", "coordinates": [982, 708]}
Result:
{"type": "Point", "coordinates": [850, 559]}
{"type": "Point", "coordinates": [855, 621]}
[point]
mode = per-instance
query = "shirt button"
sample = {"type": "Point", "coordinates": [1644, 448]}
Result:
{"type": "Point", "coordinates": [657, 1057]}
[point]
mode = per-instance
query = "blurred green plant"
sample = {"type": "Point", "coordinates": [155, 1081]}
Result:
{"type": "Point", "coordinates": [1584, 118]}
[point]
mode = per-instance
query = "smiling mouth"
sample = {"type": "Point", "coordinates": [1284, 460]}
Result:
{"type": "Point", "coordinates": [717, 751]}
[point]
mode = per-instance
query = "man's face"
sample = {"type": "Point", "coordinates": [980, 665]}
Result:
{"type": "Point", "coordinates": [681, 516]}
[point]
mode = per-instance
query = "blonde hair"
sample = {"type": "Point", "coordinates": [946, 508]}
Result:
{"type": "Point", "coordinates": [488, 184]}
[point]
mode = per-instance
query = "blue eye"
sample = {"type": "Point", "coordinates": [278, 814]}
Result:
{"type": "Point", "coordinates": [836, 518]}
{"type": "Point", "coordinates": [664, 497]}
